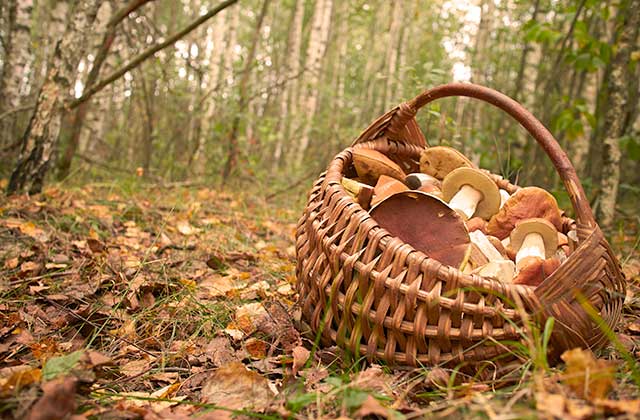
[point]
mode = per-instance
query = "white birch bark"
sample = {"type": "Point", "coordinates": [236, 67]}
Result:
{"type": "Point", "coordinates": [289, 101]}
{"type": "Point", "coordinates": [317, 47]}
{"type": "Point", "coordinates": [16, 61]}
{"type": "Point", "coordinates": [392, 53]}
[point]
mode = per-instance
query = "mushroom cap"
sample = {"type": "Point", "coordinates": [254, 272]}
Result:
{"type": "Point", "coordinates": [536, 270]}
{"type": "Point", "coordinates": [526, 203]}
{"type": "Point", "coordinates": [540, 226]}
{"type": "Point", "coordinates": [426, 223]}
{"type": "Point", "coordinates": [490, 202]}
{"type": "Point", "coordinates": [438, 161]}
{"type": "Point", "coordinates": [370, 164]}
{"type": "Point", "coordinates": [417, 180]}
{"type": "Point", "coordinates": [385, 187]}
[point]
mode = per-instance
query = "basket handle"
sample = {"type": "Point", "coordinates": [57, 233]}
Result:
{"type": "Point", "coordinates": [539, 132]}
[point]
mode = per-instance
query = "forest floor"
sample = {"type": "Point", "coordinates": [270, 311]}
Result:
{"type": "Point", "coordinates": [146, 302]}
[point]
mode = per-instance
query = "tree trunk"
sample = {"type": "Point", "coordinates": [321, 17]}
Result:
{"type": "Point", "coordinates": [288, 99]}
{"type": "Point", "coordinates": [39, 140]}
{"type": "Point", "coordinates": [615, 115]}
{"type": "Point", "coordinates": [317, 47]}
{"type": "Point", "coordinates": [392, 53]}
{"type": "Point", "coordinates": [15, 62]}
{"type": "Point", "coordinates": [232, 138]}
{"type": "Point", "coordinates": [215, 38]}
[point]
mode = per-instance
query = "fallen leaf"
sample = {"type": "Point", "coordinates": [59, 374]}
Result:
{"type": "Point", "coordinates": [256, 348]}
{"type": "Point", "coordinates": [184, 227]}
{"type": "Point", "coordinates": [11, 263]}
{"type": "Point", "coordinates": [372, 407]}
{"type": "Point", "coordinates": [61, 365]}
{"type": "Point", "coordinates": [300, 357]}
{"type": "Point", "coordinates": [17, 377]}
{"type": "Point", "coordinates": [551, 404]}
{"type": "Point", "coordinates": [30, 268]}
{"type": "Point", "coordinates": [233, 386]}
{"type": "Point", "coordinates": [58, 400]}
{"type": "Point", "coordinates": [587, 376]}
{"type": "Point", "coordinates": [219, 351]}
{"type": "Point", "coordinates": [617, 408]}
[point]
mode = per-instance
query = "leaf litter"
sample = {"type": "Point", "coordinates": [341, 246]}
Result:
{"type": "Point", "coordinates": [179, 303]}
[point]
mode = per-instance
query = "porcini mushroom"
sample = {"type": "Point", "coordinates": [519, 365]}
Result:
{"type": "Point", "coordinates": [438, 161]}
{"type": "Point", "coordinates": [418, 180]}
{"type": "Point", "coordinates": [535, 270]}
{"type": "Point", "coordinates": [425, 183]}
{"type": "Point", "coordinates": [471, 192]}
{"type": "Point", "coordinates": [361, 193]}
{"type": "Point", "coordinates": [504, 196]}
{"type": "Point", "coordinates": [371, 164]}
{"type": "Point", "coordinates": [385, 187]}
{"type": "Point", "coordinates": [501, 270]}
{"type": "Point", "coordinates": [526, 203]}
{"type": "Point", "coordinates": [426, 223]}
{"type": "Point", "coordinates": [533, 238]}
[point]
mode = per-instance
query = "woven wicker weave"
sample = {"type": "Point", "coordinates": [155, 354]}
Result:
{"type": "Point", "coordinates": [369, 292]}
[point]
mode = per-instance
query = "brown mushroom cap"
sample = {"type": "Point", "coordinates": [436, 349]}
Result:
{"type": "Point", "coordinates": [371, 164]}
{"type": "Point", "coordinates": [536, 270]}
{"type": "Point", "coordinates": [385, 187]}
{"type": "Point", "coordinates": [526, 203]}
{"type": "Point", "coordinates": [490, 202]}
{"type": "Point", "coordinates": [438, 161]}
{"type": "Point", "coordinates": [540, 226]}
{"type": "Point", "coordinates": [427, 224]}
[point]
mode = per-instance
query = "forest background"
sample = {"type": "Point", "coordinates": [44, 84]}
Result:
{"type": "Point", "coordinates": [264, 93]}
{"type": "Point", "coordinates": [156, 155]}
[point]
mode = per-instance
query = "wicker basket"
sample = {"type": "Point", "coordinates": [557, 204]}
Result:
{"type": "Point", "coordinates": [378, 297]}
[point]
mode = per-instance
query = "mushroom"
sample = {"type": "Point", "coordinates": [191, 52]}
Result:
{"type": "Point", "coordinates": [526, 203]}
{"type": "Point", "coordinates": [426, 223]}
{"type": "Point", "coordinates": [361, 193]}
{"type": "Point", "coordinates": [418, 180]}
{"type": "Point", "coordinates": [471, 193]}
{"type": "Point", "coordinates": [385, 187]}
{"type": "Point", "coordinates": [536, 270]}
{"type": "Point", "coordinates": [438, 161]}
{"type": "Point", "coordinates": [504, 196]}
{"type": "Point", "coordinates": [371, 164]}
{"type": "Point", "coordinates": [533, 238]}
{"type": "Point", "coordinates": [501, 270]}
{"type": "Point", "coordinates": [477, 223]}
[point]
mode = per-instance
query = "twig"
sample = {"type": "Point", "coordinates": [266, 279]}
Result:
{"type": "Point", "coordinates": [15, 110]}
{"type": "Point", "coordinates": [136, 61]}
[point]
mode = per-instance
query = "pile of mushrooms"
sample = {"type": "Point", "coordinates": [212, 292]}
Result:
{"type": "Point", "coordinates": [455, 213]}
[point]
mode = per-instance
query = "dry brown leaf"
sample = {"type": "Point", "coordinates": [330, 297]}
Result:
{"type": "Point", "coordinates": [16, 377]}
{"type": "Point", "coordinates": [30, 268]}
{"type": "Point", "coordinates": [184, 227]}
{"type": "Point", "coordinates": [551, 404]}
{"type": "Point", "coordinates": [300, 357]}
{"type": "Point", "coordinates": [11, 263]}
{"type": "Point", "coordinates": [215, 285]}
{"type": "Point", "coordinates": [372, 407]}
{"type": "Point", "coordinates": [616, 408]}
{"type": "Point", "coordinates": [588, 377]}
{"type": "Point", "coordinates": [234, 387]}
{"type": "Point", "coordinates": [58, 400]}
{"type": "Point", "coordinates": [256, 348]}
{"type": "Point", "coordinates": [219, 351]}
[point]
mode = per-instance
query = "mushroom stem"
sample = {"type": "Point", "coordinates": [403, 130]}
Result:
{"type": "Point", "coordinates": [466, 200]}
{"type": "Point", "coordinates": [532, 246]}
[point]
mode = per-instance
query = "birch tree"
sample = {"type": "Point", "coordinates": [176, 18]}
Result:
{"type": "Point", "coordinates": [39, 141]}
{"type": "Point", "coordinates": [15, 63]}
{"type": "Point", "coordinates": [615, 115]}
{"type": "Point", "coordinates": [317, 47]}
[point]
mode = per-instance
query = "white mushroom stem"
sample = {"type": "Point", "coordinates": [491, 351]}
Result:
{"type": "Point", "coordinates": [504, 196]}
{"type": "Point", "coordinates": [466, 200]}
{"type": "Point", "coordinates": [532, 246]}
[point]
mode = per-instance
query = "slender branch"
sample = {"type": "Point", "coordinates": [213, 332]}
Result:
{"type": "Point", "coordinates": [136, 61]}
{"type": "Point", "coordinates": [18, 109]}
